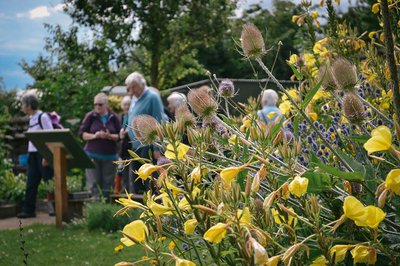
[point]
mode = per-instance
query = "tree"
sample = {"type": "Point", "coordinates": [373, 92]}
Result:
{"type": "Point", "coordinates": [167, 32]}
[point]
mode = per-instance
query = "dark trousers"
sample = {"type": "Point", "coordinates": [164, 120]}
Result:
{"type": "Point", "coordinates": [35, 173]}
{"type": "Point", "coordinates": [139, 187]}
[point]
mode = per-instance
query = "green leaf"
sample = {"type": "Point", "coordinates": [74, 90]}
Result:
{"type": "Point", "coordinates": [360, 139]}
{"type": "Point", "coordinates": [354, 164]}
{"type": "Point", "coordinates": [311, 94]}
{"type": "Point", "coordinates": [296, 125]}
{"type": "Point", "coordinates": [298, 75]}
{"type": "Point", "coordinates": [350, 176]}
{"type": "Point", "coordinates": [137, 157]}
{"type": "Point", "coordinates": [317, 182]}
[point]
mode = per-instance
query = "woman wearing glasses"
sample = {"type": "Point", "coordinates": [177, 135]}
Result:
{"type": "Point", "coordinates": [100, 129]}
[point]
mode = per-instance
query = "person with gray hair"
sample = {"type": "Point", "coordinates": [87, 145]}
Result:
{"type": "Point", "coordinates": [147, 102]}
{"type": "Point", "coordinates": [38, 168]}
{"type": "Point", "coordinates": [269, 112]}
{"type": "Point", "coordinates": [175, 100]}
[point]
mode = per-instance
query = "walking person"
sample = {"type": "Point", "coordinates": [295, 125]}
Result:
{"type": "Point", "coordinates": [38, 167]}
{"type": "Point", "coordinates": [100, 129]}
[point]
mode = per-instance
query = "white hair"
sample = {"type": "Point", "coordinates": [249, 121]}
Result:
{"type": "Point", "coordinates": [126, 99]}
{"type": "Point", "coordinates": [102, 96]}
{"type": "Point", "coordinates": [135, 77]}
{"type": "Point", "coordinates": [269, 97]}
{"type": "Point", "coordinates": [177, 99]}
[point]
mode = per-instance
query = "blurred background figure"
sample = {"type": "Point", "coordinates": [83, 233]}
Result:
{"type": "Point", "coordinates": [126, 184]}
{"type": "Point", "coordinates": [175, 100]}
{"type": "Point", "coordinates": [269, 112]}
{"type": "Point", "coordinates": [100, 129]}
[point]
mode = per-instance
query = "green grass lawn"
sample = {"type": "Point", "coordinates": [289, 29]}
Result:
{"type": "Point", "coordinates": [47, 245]}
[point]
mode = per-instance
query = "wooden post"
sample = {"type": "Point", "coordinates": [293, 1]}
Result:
{"type": "Point", "coordinates": [60, 176]}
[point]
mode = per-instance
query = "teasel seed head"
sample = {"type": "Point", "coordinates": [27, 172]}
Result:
{"type": "Point", "coordinates": [252, 41]}
{"type": "Point", "coordinates": [226, 88]}
{"type": "Point", "coordinates": [344, 74]}
{"type": "Point", "coordinates": [147, 129]}
{"type": "Point", "coordinates": [328, 82]}
{"type": "Point", "coordinates": [201, 101]}
{"type": "Point", "coordinates": [353, 108]}
{"type": "Point", "coordinates": [184, 117]}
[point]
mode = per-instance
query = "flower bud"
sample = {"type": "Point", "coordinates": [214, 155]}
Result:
{"type": "Point", "coordinates": [382, 199]}
{"type": "Point", "coordinates": [345, 74]}
{"type": "Point", "coordinates": [353, 108]}
{"type": "Point", "coordinates": [252, 41]}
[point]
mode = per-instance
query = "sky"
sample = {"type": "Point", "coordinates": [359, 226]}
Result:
{"type": "Point", "coordinates": [22, 33]}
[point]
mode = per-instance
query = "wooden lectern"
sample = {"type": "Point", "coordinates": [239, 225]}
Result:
{"type": "Point", "coordinates": [61, 150]}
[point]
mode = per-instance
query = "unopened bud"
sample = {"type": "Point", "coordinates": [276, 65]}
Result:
{"type": "Point", "coordinates": [248, 186]}
{"type": "Point", "coordinates": [205, 209]}
{"type": "Point", "coordinates": [269, 200]}
{"type": "Point", "coordinates": [255, 185]}
{"type": "Point", "coordinates": [347, 187]}
{"type": "Point", "coordinates": [382, 199]}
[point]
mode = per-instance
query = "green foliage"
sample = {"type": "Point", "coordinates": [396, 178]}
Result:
{"type": "Point", "coordinates": [12, 187]}
{"type": "Point", "coordinates": [101, 216]}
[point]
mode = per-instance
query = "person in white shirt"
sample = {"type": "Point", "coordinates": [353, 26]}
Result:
{"type": "Point", "coordinates": [37, 166]}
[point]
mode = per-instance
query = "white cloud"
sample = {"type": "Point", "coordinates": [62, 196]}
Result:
{"type": "Point", "coordinates": [41, 12]}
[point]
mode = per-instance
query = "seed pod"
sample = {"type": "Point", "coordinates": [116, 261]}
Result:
{"type": "Point", "coordinates": [325, 74]}
{"type": "Point", "coordinates": [252, 41]}
{"type": "Point", "coordinates": [201, 101]}
{"type": "Point", "coordinates": [353, 108]}
{"type": "Point", "coordinates": [146, 129]}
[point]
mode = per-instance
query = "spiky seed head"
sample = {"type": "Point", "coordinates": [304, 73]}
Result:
{"type": "Point", "coordinates": [184, 117]}
{"type": "Point", "coordinates": [252, 41]}
{"type": "Point", "coordinates": [353, 108]}
{"type": "Point", "coordinates": [202, 103]}
{"type": "Point", "coordinates": [214, 125]}
{"type": "Point", "coordinates": [146, 129]}
{"type": "Point", "coordinates": [325, 74]}
{"type": "Point", "coordinates": [226, 88]}
{"type": "Point", "coordinates": [344, 74]}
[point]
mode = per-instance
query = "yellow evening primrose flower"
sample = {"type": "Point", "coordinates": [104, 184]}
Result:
{"type": "Point", "coordinates": [314, 14]}
{"type": "Point", "coordinates": [136, 230]}
{"type": "Point", "coordinates": [181, 150]}
{"type": "Point", "coordinates": [190, 226]}
{"type": "Point", "coordinates": [129, 203]}
{"type": "Point", "coordinates": [393, 181]}
{"type": "Point", "coordinates": [244, 216]}
{"type": "Point", "coordinates": [171, 245]}
{"type": "Point", "coordinates": [273, 261]}
{"type": "Point", "coordinates": [158, 209]}
{"type": "Point", "coordinates": [360, 254]}
{"type": "Point", "coordinates": [320, 261]}
{"type": "Point", "coordinates": [293, 59]}
{"type": "Point", "coordinates": [146, 170]}
{"type": "Point", "coordinates": [174, 189]}
{"type": "Point", "coordinates": [196, 175]}
{"type": "Point", "coordinates": [298, 186]}
{"type": "Point", "coordinates": [374, 216]}
{"type": "Point", "coordinates": [183, 262]}
{"type": "Point", "coordinates": [381, 140]}
{"type": "Point", "coordinates": [339, 251]}
{"type": "Point", "coordinates": [216, 233]}
{"type": "Point", "coordinates": [279, 219]}
{"type": "Point", "coordinates": [353, 209]}
{"type": "Point", "coordinates": [118, 248]}
{"type": "Point", "coordinates": [313, 116]}
{"type": "Point", "coordinates": [230, 173]}
{"type": "Point", "coordinates": [376, 7]}
{"type": "Point", "coordinates": [285, 107]}
{"type": "Point", "coordinates": [184, 204]}
{"type": "Point", "coordinates": [309, 60]}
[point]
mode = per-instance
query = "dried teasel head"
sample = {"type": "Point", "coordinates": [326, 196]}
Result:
{"type": "Point", "coordinates": [344, 74]}
{"type": "Point", "coordinates": [146, 129]}
{"type": "Point", "coordinates": [353, 108]}
{"type": "Point", "coordinates": [325, 74]}
{"type": "Point", "coordinates": [252, 41]}
{"type": "Point", "coordinates": [226, 88]}
{"type": "Point", "coordinates": [202, 102]}
{"type": "Point", "coordinates": [214, 125]}
{"type": "Point", "coordinates": [184, 117]}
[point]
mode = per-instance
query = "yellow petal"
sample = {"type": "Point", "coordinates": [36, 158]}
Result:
{"type": "Point", "coordinates": [182, 262]}
{"type": "Point", "coordinates": [273, 261]}
{"type": "Point", "coordinates": [147, 170]}
{"type": "Point", "coordinates": [353, 208]}
{"type": "Point", "coordinates": [244, 216]}
{"type": "Point", "coordinates": [374, 216]}
{"type": "Point", "coordinates": [229, 174]}
{"type": "Point", "coordinates": [360, 254]}
{"type": "Point", "coordinates": [339, 251]}
{"type": "Point", "coordinates": [381, 140]}
{"type": "Point", "coordinates": [393, 181]}
{"type": "Point", "coordinates": [178, 154]}
{"type": "Point", "coordinates": [298, 186]}
{"type": "Point", "coordinates": [196, 175]}
{"type": "Point", "coordinates": [376, 7]}
{"type": "Point", "coordinates": [175, 190]}
{"type": "Point", "coordinates": [320, 261]}
{"type": "Point", "coordinates": [190, 226]}
{"type": "Point", "coordinates": [136, 230]}
{"type": "Point", "coordinates": [285, 107]}
{"type": "Point", "coordinates": [216, 233]}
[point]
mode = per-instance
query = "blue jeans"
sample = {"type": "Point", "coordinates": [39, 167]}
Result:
{"type": "Point", "coordinates": [35, 173]}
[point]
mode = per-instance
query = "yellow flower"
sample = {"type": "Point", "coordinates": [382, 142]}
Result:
{"type": "Point", "coordinates": [376, 7]}
{"type": "Point", "coordinates": [158, 209]}
{"type": "Point", "coordinates": [279, 219]}
{"type": "Point", "coordinates": [246, 124]}
{"type": "Point", "coordinates": [339, 251]}
{"type": "Point", "coordinates": [216, 233]}
{"type": "Point", "coordinates": [285, 107]}
{"type": "Point", "coordinates": [353, 209]}
{"type": "Point", "coordinates": [146, 170]}
{"type": "Point", "coordinates": [314, 14]}
{"type": "Point", "coordinates": [175, 190]}
{"type": "Point", "coordinates": [360, 254]}
{"type": "Point", "coordinates": [298, 186]}
{"type": "Point", "coordinates": [196, 175]}
{"type": "Point", "coordinates": [136, 230]}
{"type": "Point", "coordinates": [320, 261]}
{"type": "Point", "coordinates": [314, 116]}
{"type": "Point", "coordinates": [182, 262]}
{"type": "Point", "coordinates": [189, 226]}
{"type": "Point", "coordinates": [184, 204]}
{"type": "Point", "coordinates": [393, 181]}
{"type": "Point", "coordinates": [181, 151]}
{"type": "Point", "coordinates": [273, 261]}
{"type": "Point", "coordinates": [229, 174]}
{"type": "Point", "coordinates": [371, 34]}
{"type": "Point", "coordinates": [295, 18]}
{"type": "Point", "coordinates": [128, 203]}
{"type": "Point", "coordinates": [381, 140]}
{"type": "Point", "coordinates": [309, 60]}
{"type": "Point", "coordinates": [374, 216]}
{"type": "Point", "coordinates": [171, 245]}
{"type": "Point", "coordinates": [293, 59]}
{"type": "Point", "coordinates": [244, 216]}
{"type": "Point", "coordinates": [118, 248]}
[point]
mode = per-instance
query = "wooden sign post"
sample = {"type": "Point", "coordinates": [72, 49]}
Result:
{"type": "Point", "coordinates": [61, 150]}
